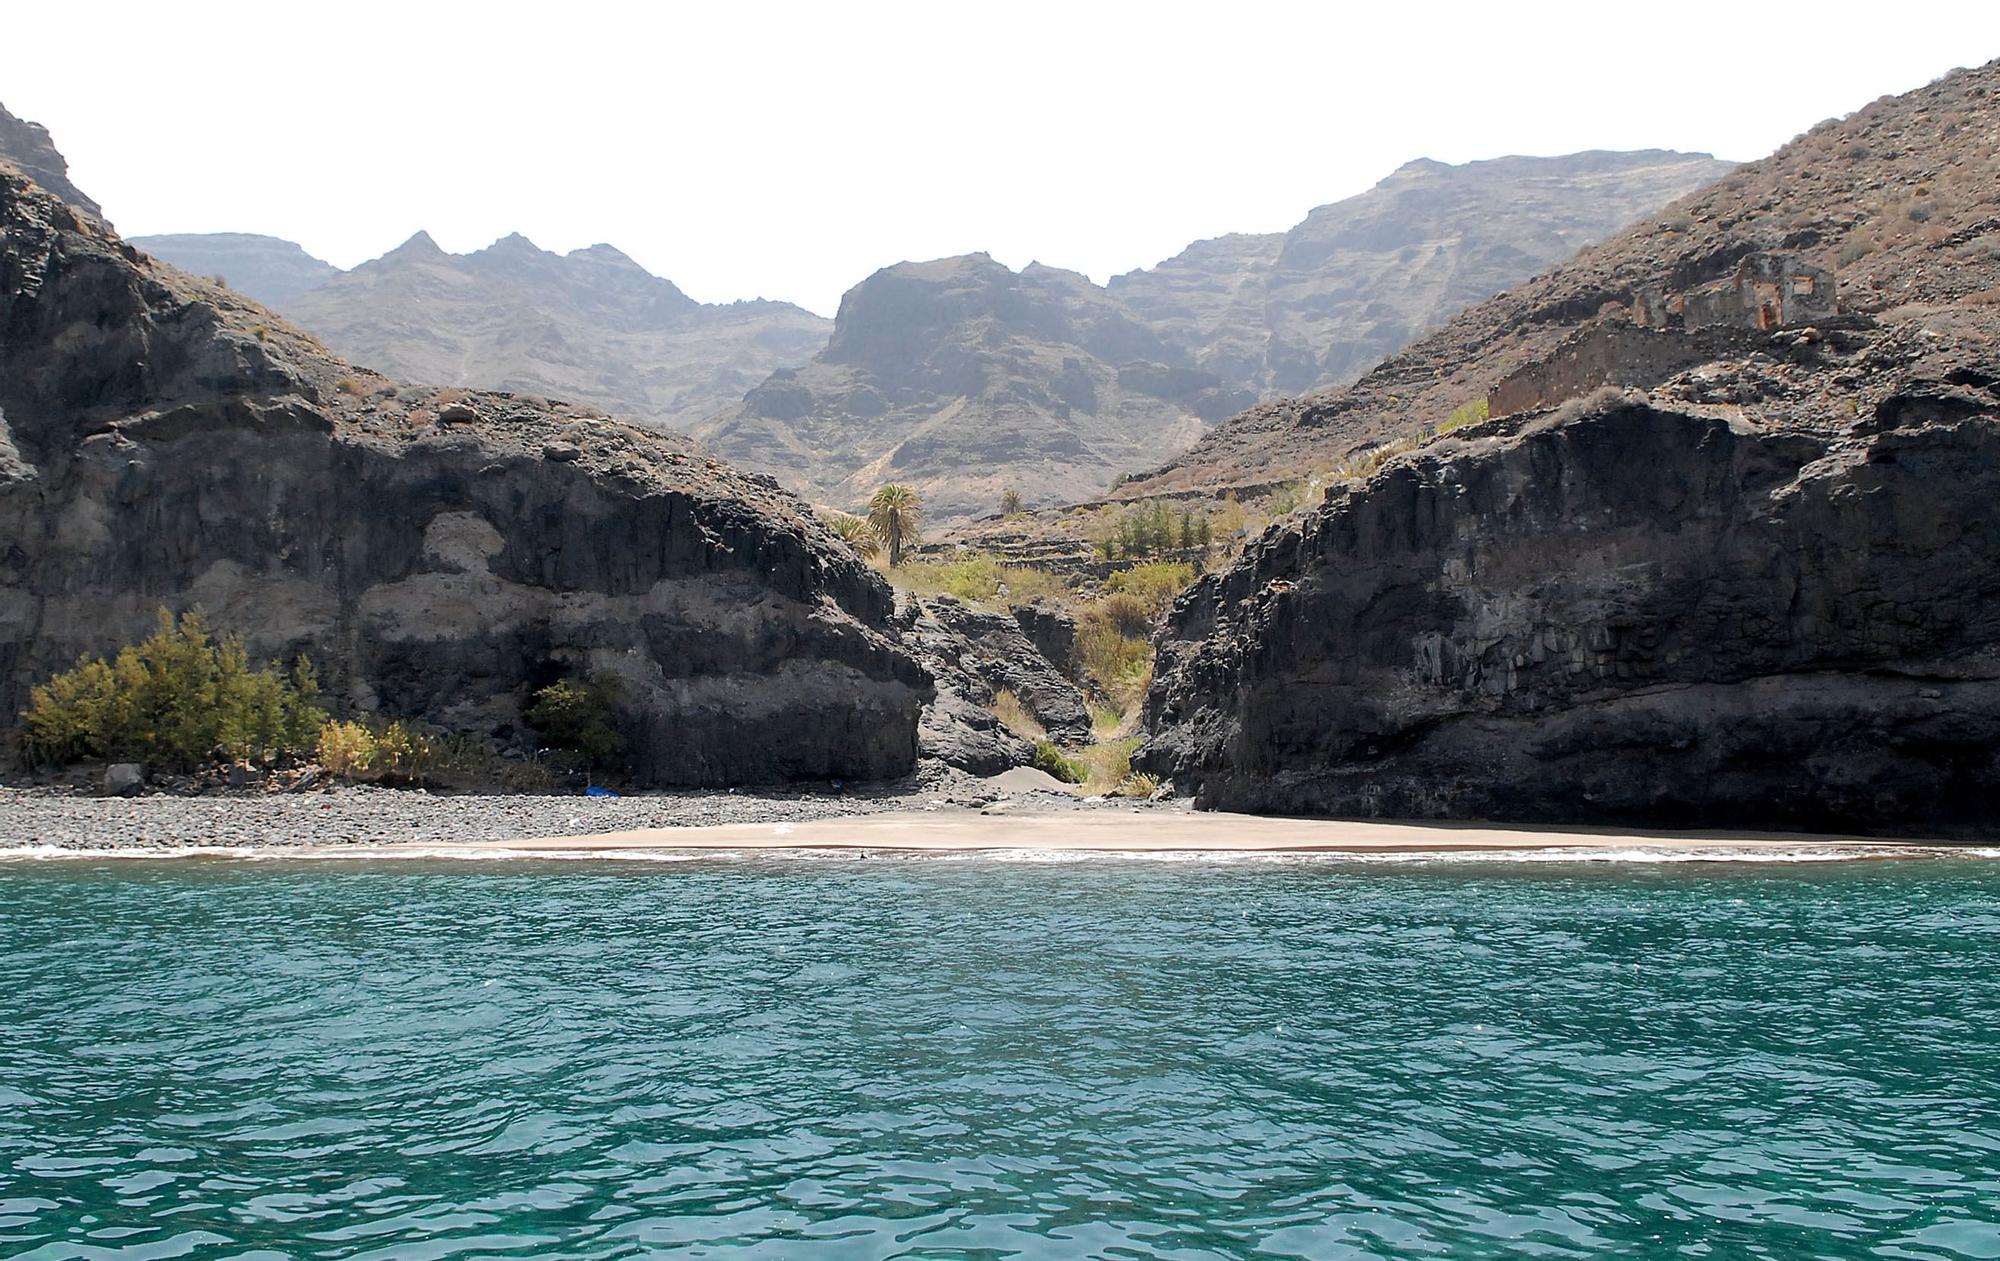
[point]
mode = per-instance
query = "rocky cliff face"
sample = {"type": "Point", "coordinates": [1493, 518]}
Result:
{"type": "Point", "coordinates": [1634, 615]}
{"type": "Point", "coordinates": [266, 269]}
{"type": "Point", "coordinates": [965, 379]}
{"type": "Point", "coordinates": [1757, 592]}
{"type": "Point", "coordinates": [28, 146]}
{"type": "Point", "coordinates": [439, 553]}
{"type": "Point", "coordinates": [591, 325]}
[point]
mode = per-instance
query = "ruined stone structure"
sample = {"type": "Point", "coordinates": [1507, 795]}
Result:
{"type": "Point", "coordinates": [1766, 291]}
{"type": "Point", "coordinates": [1673, 330]}
{"type": "Point", "coordinates": [1611, 354]}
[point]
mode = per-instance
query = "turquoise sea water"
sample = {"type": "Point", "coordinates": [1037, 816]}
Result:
{"type": "Point", "coordinates": [972, 1057]}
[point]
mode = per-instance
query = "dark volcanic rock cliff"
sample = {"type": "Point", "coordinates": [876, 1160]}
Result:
{"type": "Point", "coordinates": [1635, 615]}
{"type": "Point", "coordinates": [166, 442]}
{"type": "Point", "coordinates": [1754, 586]}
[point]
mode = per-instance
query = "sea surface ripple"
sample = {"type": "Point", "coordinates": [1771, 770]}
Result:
{"type": "Point", "coordinates": [852, 1057]}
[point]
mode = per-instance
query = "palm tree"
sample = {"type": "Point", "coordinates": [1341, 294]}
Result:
{"type": "Point", "coordinates": [895, 512]}
{"type": "Point", "coordinates": [1010, 502]}
{"type": "Point", "coordinates": [855, 532]}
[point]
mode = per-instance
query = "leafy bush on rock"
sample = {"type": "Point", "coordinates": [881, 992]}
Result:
{"type": "Point", "coordinates": [578, 716]}
{"type": "Point", "coordinates": [175, 701]}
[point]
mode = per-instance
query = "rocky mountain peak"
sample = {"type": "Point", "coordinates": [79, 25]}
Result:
{"type": "Point", "coordinates": [514, 246]}
{"type": "Point", "coordinates": [419, 246]}
{"type": "Point", "coordinates": [902, 315]}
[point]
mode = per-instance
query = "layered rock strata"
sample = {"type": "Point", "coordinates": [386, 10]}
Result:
{"type": "Point", "coordinates": [439, 554]}
{"type": "Point", "coordinates": [1638, 614]}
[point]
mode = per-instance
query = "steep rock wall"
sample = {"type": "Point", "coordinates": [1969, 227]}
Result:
{"type": "Point", "coordinates": [439, 554]}
{"type": "Point", "coordinates": [1654, 616]}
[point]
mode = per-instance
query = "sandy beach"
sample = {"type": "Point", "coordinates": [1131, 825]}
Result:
{"type": "Point", "coordinates": [1178, 832]}
{"type": "Point", "coordinates": [966, 817]}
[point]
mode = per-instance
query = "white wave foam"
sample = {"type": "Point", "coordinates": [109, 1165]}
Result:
{"type": "Point", "coordinates": [1577, 854]}
{"type": "Point", "coordinates": [43, 852]}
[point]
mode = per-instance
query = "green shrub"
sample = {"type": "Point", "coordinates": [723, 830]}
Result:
{"type": "Point", "coordinates": [1148, 527]}
{"type": "Point", "coordinates": [346, 749]}
{"type": "Point", "coordinates": [1050, 758]}
{"type": "Point", "coordinates": [855, 532]}
{"type": "Point", "coordinates": [578, 716]}
{"type": "Point", "coordinates": [402, 752]}
{"type": "Point", "coordinates": [1126, 612]}
{"type": "Point", "coordinates": [174, 701]}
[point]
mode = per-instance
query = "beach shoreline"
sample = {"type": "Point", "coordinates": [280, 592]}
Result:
{"type": "Point", "coordinates": [1190, 832]}
{"type": "Point", "coordinates": [392, 825]}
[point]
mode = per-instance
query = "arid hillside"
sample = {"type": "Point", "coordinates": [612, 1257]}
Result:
{"type": "Point", "coordinates": [1896, 201]}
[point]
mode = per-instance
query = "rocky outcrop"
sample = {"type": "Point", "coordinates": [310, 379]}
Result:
{"type": "Point", "coordinates": [1636, 614]}
{"type": "Point", "coordinates": [958, 727]}
{"type": "Point", "coordinates": [266, 269]}
{"type": "Point", "coordinates": [974, 655]}
{"type": "Point", "coordinates": [439, 554]}
{"type": "Point", "coordinates": [591, 325]}
{"type": "Point", "coordinates": [993, 648]}
{"type": "Point", "coordinates": [28, 147]}
{"type": "Point", "coordinates": [1052, 630]}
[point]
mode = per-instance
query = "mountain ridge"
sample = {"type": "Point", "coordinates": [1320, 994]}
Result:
{"type": "Point", "coordinates": [968, 379]}
{"type": "Point", "coordinates": [591, 324]}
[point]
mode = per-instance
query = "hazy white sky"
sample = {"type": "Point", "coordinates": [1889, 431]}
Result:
{"type": "Point", "coordinates": [787, 150]}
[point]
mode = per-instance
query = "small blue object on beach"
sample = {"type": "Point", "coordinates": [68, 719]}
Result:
{"type": "Point", "coordinates": [595, 791]}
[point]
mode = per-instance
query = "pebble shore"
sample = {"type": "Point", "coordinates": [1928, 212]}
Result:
{"type": "Point", "coordinates": [33, 818]}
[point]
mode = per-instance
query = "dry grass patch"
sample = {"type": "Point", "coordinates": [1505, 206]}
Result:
{"type": "Point", "coordinates": [1014, 716]}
